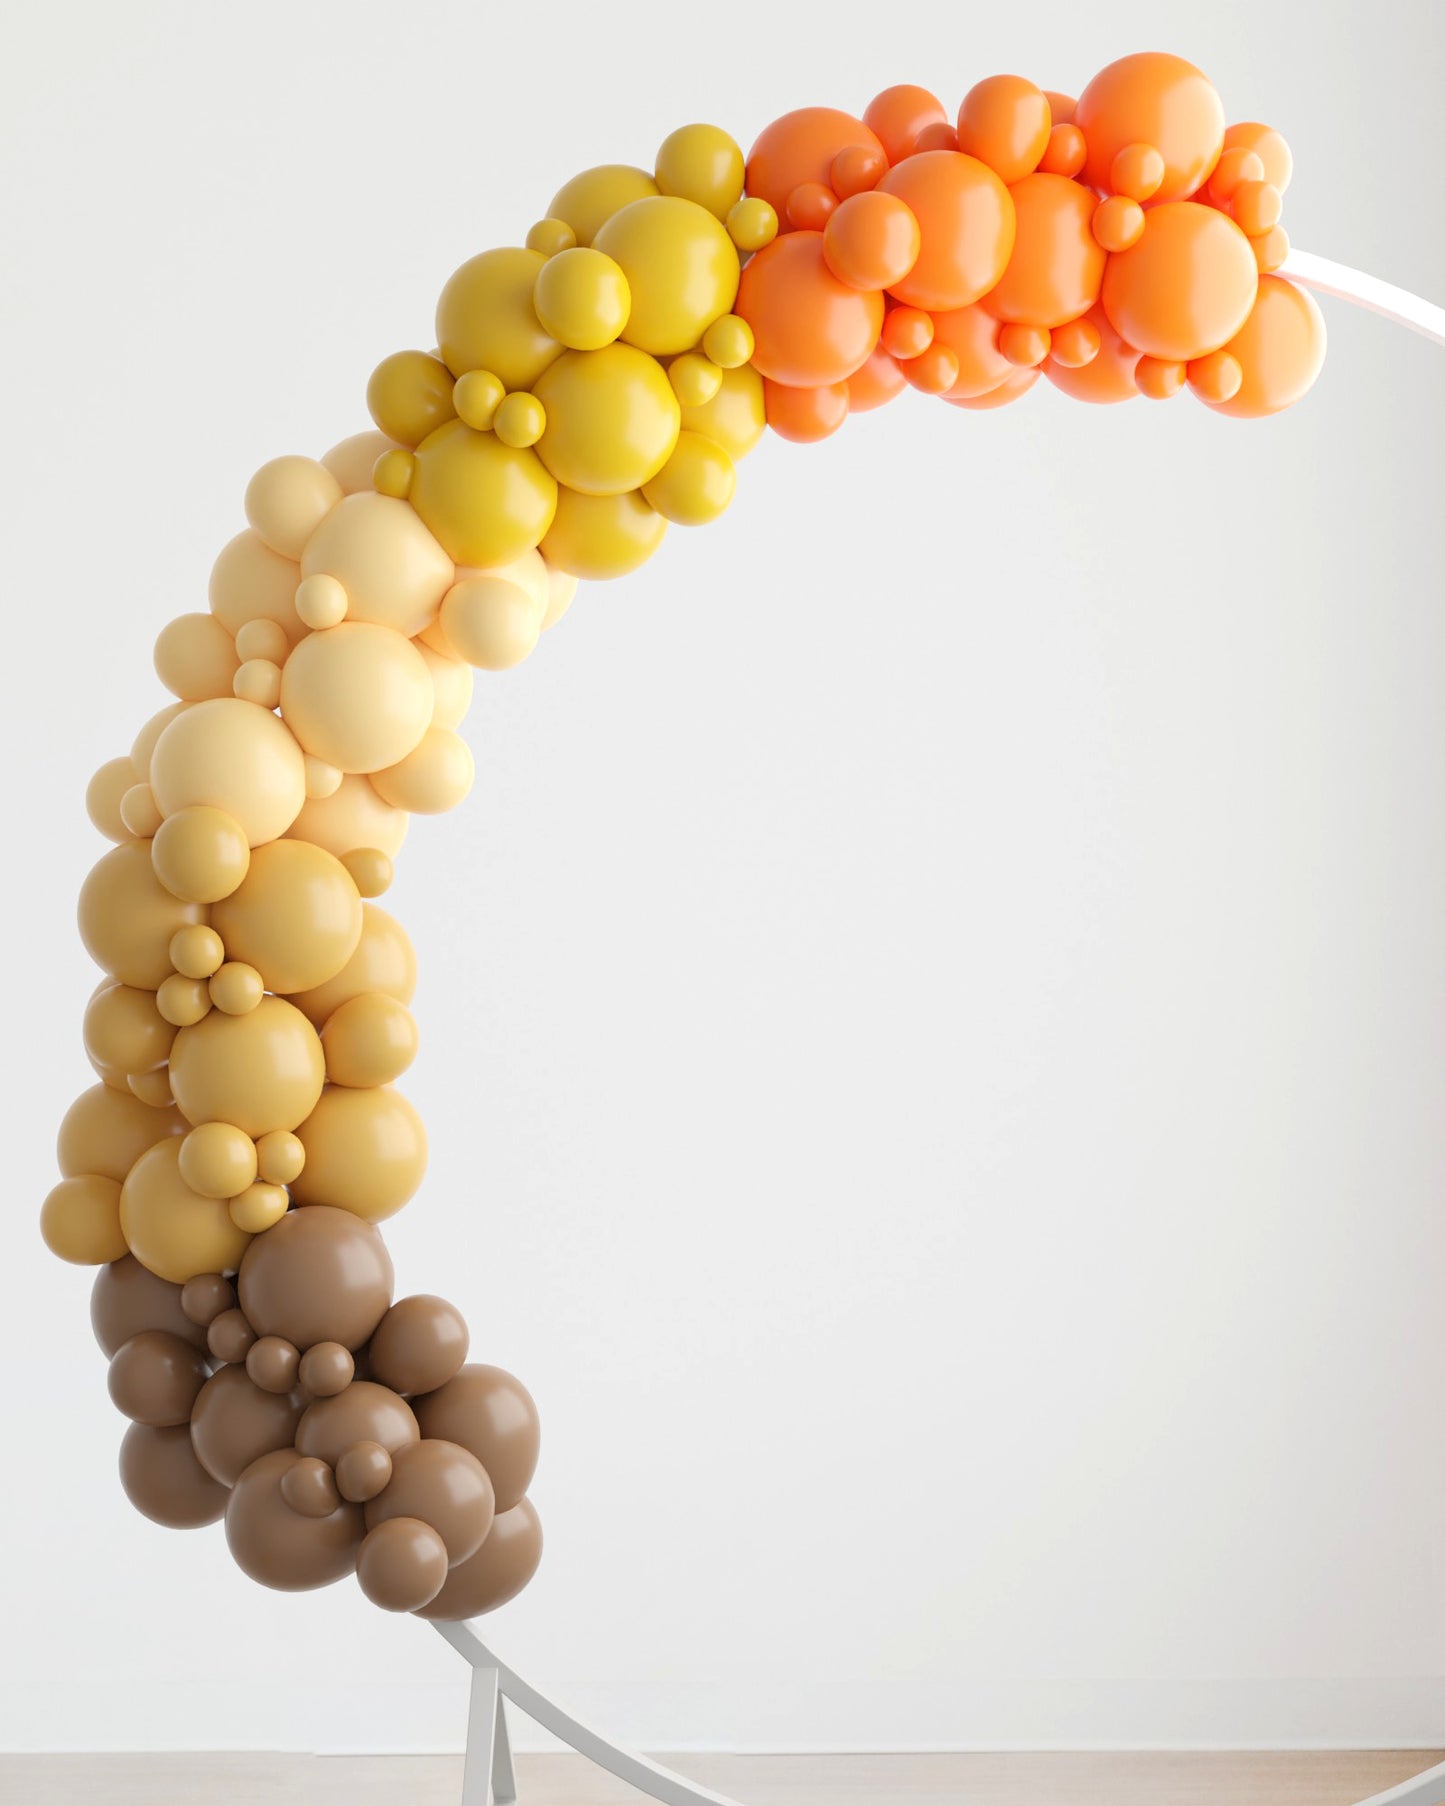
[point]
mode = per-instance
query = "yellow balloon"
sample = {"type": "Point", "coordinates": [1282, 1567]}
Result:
{"type": "Point", "coordinates": [353, 460]}
{"type": "Point", "coordinates": [261, 1071]}
{"type": "Point", "coordinates": [393, 571]}
{"type": "Point", "coordinates": [357, 695]}
{"type": "Point", "coordinates": [752, 223]}
{"type": "Point", "coordinates": [125, 1031]}
{"type": "Point", "coordinates": [582, 298]}
{"type": "Point", "coordinates": [729, 342]}
{"type": "Point", "coordinates": [701, 163]}
{"type": "Point", "coordinates": [248, 580]}
{"type": "Point", "coordinates": [589, 200]}
{"type": "Point", "coordinates": [696, 483]}
{"type": "Point", "coordinates": [410, 395]}
{"type": "Point", "coordinates": [236, 756]}
{"type": "Point", "coordinates": [602, 535]}
{"type": "Point", "coordinates": [195, 657]}
{"type": "Point", "coordinates": [365, 1152]}
{"type": "Point", "coordinates": [493, 621]}
{"type": "Point", "coordinates": [486, 320]}
{"type": "Point", "coordinates": [351, 818]}
{"type": "Point", "coordinates": [434, 777]}
{"type": "Point", "coordinates": [217, 1160]}
{"type": "Point", "coordinates": [200, 854]}
{"type": "Point", "coordinates": [478, 395]}
{"type": "Point", "coordinates": [612, 419]}
{"type": "Point", "coordinates": [369, 1041]}
{"type": "Point", "coordinates": [392, 473]}
{"type": "Point", "coordinates": [484, 500]}
{"type": "Point", "coordinates": [106, 1131]}
{"type": "Point", "coordinates": [549, 236]}
{"type": "Point", "coordinates": [295, 917]}
{"type": "Point", "coordinates": [127, 917]}
{"type": "Point", "coordinates": [383, 961]}
{"type": "Point", "coordinates": [172, 1229]}
{"type": "Point", "coordinates": [103, 794]}
{"type": "Point", "coordinates": [735, 416]}
{"type": "Point", "coordinates": [287, 500]}
{"type": "Point", "coordinates": [451, 684]}
{"type": "Point", "coordinates": [80, 1220]}
{"type": "Point", "coordinates": [695, 379]}
{"type": "Point", "coordinates": [681, 266]}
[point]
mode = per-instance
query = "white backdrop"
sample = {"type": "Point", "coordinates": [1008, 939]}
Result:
{"type": "Point", "coordinates": [932, 1014]}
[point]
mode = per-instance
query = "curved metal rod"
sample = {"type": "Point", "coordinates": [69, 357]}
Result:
{"type": "Point", "coordinates": [1427, 1789]}
{"type": "Point", "coordinates": [1369, 292]}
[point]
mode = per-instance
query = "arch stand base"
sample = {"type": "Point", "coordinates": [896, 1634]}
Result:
{"type": "Point", "coordinates": [489, 1779]}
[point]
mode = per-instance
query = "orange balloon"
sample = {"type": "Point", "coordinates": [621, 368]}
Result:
{"type": "Point", "coordinates": [967, 221]}
{"type": "Point", "coordinates": [1108, 376]}
{"type": "Point", "coordinates": [1160, 378]}
{"type": "Point", "coordinates": [1279, 349]}
{"type": "Point", "coordinates": [934, 371]}
{"type": "Point", "coordinates": [1217, 377]}
{"type": "Point", "coordinates": [1016, 384]}
{"type": "Point", "coordinates": [800, 147]}
{"type": "Point", "coordinates": [1186, 287]}
{"type": "Point", "coordinates": [971, 334]}
{"type": "Point", "coordinates": [941, 136]}
{"type": "Point", "coordinates": [1157, 99]}
{"type": "Point", "coordinates": [809, 329]}
{"type": "Point", "coordinates": [907, 331]}
{"type": "Point", "coordinates": [1074, 344]}
{"type": "Point", "coordinates": [856, 170]}
{"type": "Point", "coordinates": [1118, 222]}
{"type": "Point", "coordinates": [1024, 346]}
{"type": "Point", "coordinates": [805, 415]}
{"type": "Point", "coordinates": [1061, 106]}
{"type": "Point", "coordinates": [1267, 145]}
{"type": "Point", "coordinates": [810, 205]}
{"type": "Point", "coordinates": [1057, 264]}
{"type": "Point", "coordinates": [1005, 122]}
{"type": "Point", "coordinates": [872, 241]}
{"type": "Point", "coordinates": [899, 114]}
{"type": "Point", "coordinates": [1065, 151]}
{"type": "Point", "coordinates": [876, 382]}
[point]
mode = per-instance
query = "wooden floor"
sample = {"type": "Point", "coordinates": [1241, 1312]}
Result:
{"type": "Point", "coordinates": [1315, 1779]}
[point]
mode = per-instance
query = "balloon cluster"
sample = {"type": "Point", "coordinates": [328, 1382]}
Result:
{"type": "Point", "coordinates": [586, 389]}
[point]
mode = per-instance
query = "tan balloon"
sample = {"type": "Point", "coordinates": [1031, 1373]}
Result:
{"type": "Point", "coordinates": [357, 695]}
{"type": "Point", "coordinates": [106, 1131]}
{"type": "Point", "coordinates": [288, 499]}
{"type": "Point", "coordinates": [195, 657]}
{"type": "Point", "coordinates": [115, 777]}
{"type": "Point", "coordinates": [80, 1221]}
{"type": "Point", "coordinates": [401, 1564]}
{"type": "Point", "coordinates": [310, 1488]}
{"type": "Point", "coordinates": [434, 777]}
{"type": "Point", "coordinates": [393, 571]}
{"type": "Point", "coordinates": [165, 1482]}
{"type": "Point", "coordinates": [127, 1298]}
{"type": "Point", "coordinates": [261, 1071]}
{"type": "Point", "coordinates": [295, 917]}
{"type": "Point", "coordinates": [445, 1487]}
{"type": "Point", "coordinates": [489, 1411]}
{"type": "Point", "coordinates": [232, 755]}
{"type": "Point", "coordinates": [369, 1041]}
{"type": "Point", "coordinates": [353, 460]}
{"type": "Point", "coordinates": [452, 684]}
{"type": "Point", "coordinates": [127, 917]}
{"type": "Point", "coordinates": [365, 1152]}
{"type": "Point", "coordinates": [251, 582]}
{"type": "Point", "coordinates": [125, 1031]}
{"type": "Point", "coordinates": [234, 1423]}
{"type": "Point", "coordinates": [205, 1297]}
{"type": "Point", "coordinates": [321, 1275]}
{"type": "Point", "coordinates": [384, 961]}
{"type": "Point", "coordinates": [351, 817]}
{"type": "Point", "coordinates": [155, 1377]}
{"type": "Point", "coordinates": [498, 1571]}
{"type": "Point", "coordinates": [283, 1548]}
{"type": "Point", "coordinates": [419, 1344]}
{"type": "Point", "coordinates": [364, 1412]}
{"type": "Point", "coordinates": [170, 1228]}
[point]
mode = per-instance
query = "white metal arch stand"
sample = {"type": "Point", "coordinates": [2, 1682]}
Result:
{"type": "Point", "coordinates": [488, 1778]}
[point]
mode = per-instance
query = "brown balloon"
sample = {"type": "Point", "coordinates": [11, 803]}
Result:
{"type": "Point", "coordinates": [310, 1488]}
{"type": "Point", "coordinates": [320, 1275]}
{"type": "Point", "coordinates": [326, 1369]}
{"type": "Point", "coordinates": [445, 1487]}
{"type": "Point", "coordinates": [280, 1547]}
{"type": "Point", "coordinates": [273, 1363]}
{"type": "Point", "coordinates": [206, 1296]}
{"type": "Point", "coordinates": [155, 1378]}
{"type": "Point", "coordinates": [362, 1471]}
{"type": "Point", "coordinates": [498, 1571]}
{"type": "Point", "coordinates": [234, 1423]}
{"type": "Point", "coordinates": [419, 1344]}
{"type": "Point", "coordinates": [230, 1337]}
{"type": "Point", "coordinates": [127, 1298]}
{"type": "Point", "coordinates": [402, 1565]}
{"type": "Point", "coordinates": [365, 1412]}
{"type": "Point", "coordinates": [163, 1479]}
{"type": "Point", "coordinates": [493, 1415]}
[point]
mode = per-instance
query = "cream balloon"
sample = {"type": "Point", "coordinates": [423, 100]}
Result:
{"type": "Point", "coordinates": [392, 569]}
{"type": "Point", "coordinates": [358, 696]}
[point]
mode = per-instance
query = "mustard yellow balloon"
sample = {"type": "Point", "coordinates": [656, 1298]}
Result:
{"type": "Point", "coordinates": [681, 267]}
{"type": "Point", "coordinates": [492, 621]}
{"type": "Point", "coordinates": [602, 535]}
{"type": "Point", "coordinates": [582, 298]}
{"type": "Point", "coordinates": [365, 1152]}
{"type": "Point", "coordinates": [384, 961]}
{"type": "Point", "coordinates": [295, 917]}
{"type": "Point", "coordinates": [486, 320]}
{"type": "Point", "coordinates": [520, 420]}
{"type": "Point", "coordinates": [696, 483]}
{"type": "Point", "coordinates": [151, 1087]}
{"type": "Point", "coordinates": [172, 1229]}
{"type": "Point", "coordinates": [392, 569]}
{"type": "Point", "coordinates": [701, 163]}
{"type": "Point", "coordinates": [352, 817]}
{"type": "Point", "coordinates": [589, 200]}
{"type": "Point", "coordinates": [196, 952]}
{"type": "Point", "coordinates": [127, 917]}
{"type": "Point", "coordinates": [478, 395]}
{"type": "Point", "coordinates": [261, 1071]}
{"type": "Point", "coordinates": [369, 1041]}
{"type": "Point", "coordinates": [484, 500]}
{"type": "Point", "coordinates": [612, 419]}
{"type": "Point", "coordinates": [279, 1157]}
{"type": "Point", "coordinates": [236, 756]}
{"type": "Point", "coordinates": [410, 395]}
{"type": "Point", "coordinates": [237, 988]}
{"type": "Point", "coordinates": [106, 1131]}
{"type": "Point", "coordinates": [434, 777]}
{"type": "Point", "coordinates": [104, 792]}
{"type": "Point", "coordinates": [259, 1207]}
{"type": "Point", "coordinates": [200, 854]}
{"type": "Point", "coordinates": [182, 1000]}
{"type": "Point", "coordinates": [123, 1030]}
{"type": "Point", "coordinates": [195, 657]}
{"type": "Point", "coordinates": [392, 473]}
{"type": "Point", "coordinates": [250, 580]}
{"type": "Point", "coordinates": [80, 1221]}
{"type": "Point", "coordinates": [287, 500]}
{"type": "Point", "coordinates": [357, 695]}
{"type": "Point", "coordinates": [735, 417]}
{"type": "Point", "coordinates": [218, 1160]}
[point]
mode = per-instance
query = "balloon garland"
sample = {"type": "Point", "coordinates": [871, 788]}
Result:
{"type": "Point", "coordinates": [228, 1170]}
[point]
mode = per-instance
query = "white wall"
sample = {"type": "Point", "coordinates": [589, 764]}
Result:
{"type": "Point", "coordinates": [932, 1015]}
